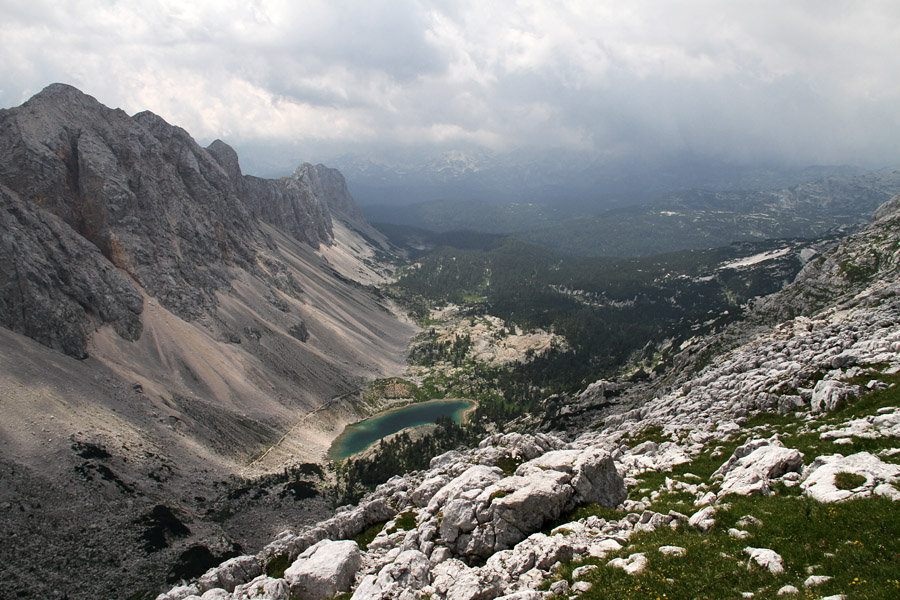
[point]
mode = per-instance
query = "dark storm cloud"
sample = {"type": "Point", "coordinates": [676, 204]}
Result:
{"type": "Point", "coordinates": [803, 82]}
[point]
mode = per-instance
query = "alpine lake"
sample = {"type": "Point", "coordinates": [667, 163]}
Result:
{"type": "Point", "coordinates": [358, 436]}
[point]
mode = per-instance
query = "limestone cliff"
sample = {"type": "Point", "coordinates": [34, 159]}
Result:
{"type": "Point", "coordinates": [167, 324]}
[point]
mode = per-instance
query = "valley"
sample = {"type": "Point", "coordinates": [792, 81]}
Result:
{"type": "Point", "coordinates": [186, 353]}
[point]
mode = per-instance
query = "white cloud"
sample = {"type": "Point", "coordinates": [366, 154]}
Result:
{"type": "Point", "coordinates": [808, 81]}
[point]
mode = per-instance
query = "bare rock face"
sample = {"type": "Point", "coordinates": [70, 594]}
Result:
{"type": "Point", "coordinates": [888, 210]}
{"type": "Point", "coordinates": [171, 216]}
{"type": "Point", "coordinates": [854, 264]}
{"type": "Point", "coordinates": [290, 205]}
{"type": "Point", "coordinates": [330, 185]}
{"type": "Point", "coordinates": [54, 283]}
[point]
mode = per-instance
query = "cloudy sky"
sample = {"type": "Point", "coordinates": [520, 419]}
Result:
{"type": "Point", "coordinates": [805, 81]}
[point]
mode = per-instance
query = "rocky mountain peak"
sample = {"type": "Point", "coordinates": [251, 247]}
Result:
{"type": "Point", "coordinates": [888, 210]}
{"type": "Point", "coordinates": [228, 158]}
{"type": "Point", "coordinates": [330, 185]}
{"type": "Point", "coordinates": [171, 216]}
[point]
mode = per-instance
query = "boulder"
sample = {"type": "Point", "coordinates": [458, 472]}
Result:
{"type": "Point", "coordinates": [819, 482]}
{"type": "Point", "coordinates": [230, 573]}
{"type": "Point", "coordinates": [632, 565]}
{"type": "Point", "coordinates": [703, 519]}
{"type": "Point", "coordinates": [263, 587]}
{"type": "Point", "coordinates": [672, 551]}
{"type": "Point", "coordinates": [765, 558]}
{"type": "Point", "coordinates": [830, 394]}
{"type": "Point", "coordinates": [453, 580]}
{"type": "Point", "coordinates": [423, 494]}
{"type": "Point", "coordinates": [593, 471]}
{"type": "Point", "coordinates": [409, 571]}
{"type": "Point", "coordinates": [752, 473]}
{"type": "Point", "coordinates": [788, 589]}
{"type": "Point", "coordinates": [324, 569]}
{"type": "Point", "coordinates": [476, 477]}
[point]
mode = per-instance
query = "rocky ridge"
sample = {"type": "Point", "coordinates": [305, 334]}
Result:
{"type": "Point", "coordinates": [169, 326]}
{"type": "Point", "coordinates": [465, 529]}
{"type": "Point", "coordinates": [173, 217]}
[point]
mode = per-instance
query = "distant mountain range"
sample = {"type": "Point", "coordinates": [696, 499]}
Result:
{"type": "Point", "coordinates": [685, 220]}
{"type": "Point", "coordinates": [569, 181]}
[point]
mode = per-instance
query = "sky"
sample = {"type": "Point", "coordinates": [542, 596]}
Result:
{"type": "Point", "coordinates": [797, 82]}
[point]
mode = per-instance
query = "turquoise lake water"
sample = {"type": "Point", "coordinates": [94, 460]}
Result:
{"type": "Point", "coordinates": [359, 436]}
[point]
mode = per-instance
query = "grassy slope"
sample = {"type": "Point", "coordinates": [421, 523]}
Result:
{"type": "Point", "coordinates": [855, 542]}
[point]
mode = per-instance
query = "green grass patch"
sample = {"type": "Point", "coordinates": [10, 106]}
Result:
{"type": "Point", "coordinates": [509, 465]}
{"type": "Point", "coordinates": [364, 538]}
{"type": "Point", "coordinates": [498, 494]}
{"type": "Point", "coordinates": [857, 543]}
{"type": "Point", "coordinates": [582, 512]}
{"type": "Point", "coordinates": [848, 481]}
{"type": "Point", "coordinates": [404, 522]}
{"type": "Point", "coordinates": [654, 433]}
{"type": "Point", "coordinates": [276, 567]}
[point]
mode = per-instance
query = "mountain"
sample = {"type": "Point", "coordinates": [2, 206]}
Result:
{"type": "Point", "coordinates": [684, 220]}
{"type": "Point", "coordinates": [570, 181]}
{"type": "Point", "coordinates": [709, 219]}
{"type": "Point", "coordinates": [764, 461]}
{"type": "Point", "coordinates": [169, 325]}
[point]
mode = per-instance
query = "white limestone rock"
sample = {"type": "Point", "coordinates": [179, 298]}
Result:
{"type": "Point", "coordinates": [788, 589]}
{"type": "Point", "coordinates": [180, 592]}
{"type": "Point", "coordinates": [818, 479]}
{"type": "Point", "coordinates": [604, 547]}
{"type": "Point", "coordinates": [559, 588]}
{"type": "Point", "coordinates": [672, 551]}
{"type": "Point", "coordinates": [634, 564]}
{"type": "Point", "coordinates": [408, 572]}
{"type": "Point", "coordinates": [476, 477]}
{"type": "Point", "coordinates": [263, 587]}
{"type": "Point", "coordinates": [765, 558]}
{"type": "Point", "coordinates": [582, 572]}
{"type": "Point", "coordinates": [751, 474]}
{"type": "Point", "coordinates": [230, 573]}
{"type": "Point", "coordinates": [830, 394]}
{"type": "Point", "coordinates": [453, 580]}
{"type": "Point", "coordinates": [523, 595]}
{"type": "Point", "coordinates": [593, 474]}
{"type": "Point", "coordinates": [580, 587]}
{"type": "Point", "coordinates": [703, 519]}
{"type": "Point", "coordinates": [324, 569]}
{"type": "Point", "coordinates": [423, 494]}
{"type": "Point", "coordinates": [814, 580]}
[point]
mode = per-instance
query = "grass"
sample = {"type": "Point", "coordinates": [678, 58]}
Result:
{"type": "Point", "coordinates": [856, 542]}
{"type": "Point", "coordinates": [654, 433]}
{"type": "Point", "coordinates": [364, 538]}
{"type": "Point", "coordinates": [276, 567]}
{"type": "Point", "coordinates": [508, 464]}
{"type": "Point", "coordinates": [848, 481]}
{"type": "Point", "coordinates": [405, 521]}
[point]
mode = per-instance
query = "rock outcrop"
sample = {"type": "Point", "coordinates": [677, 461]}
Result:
{"type": "Point", "coordinates": [172, 217]}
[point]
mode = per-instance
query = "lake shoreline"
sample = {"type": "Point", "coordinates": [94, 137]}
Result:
{"type": "Point", "coordinates": [349, 428]}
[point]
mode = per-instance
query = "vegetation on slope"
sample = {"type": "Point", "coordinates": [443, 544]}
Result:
{"type": "Point", "coordinates": [856, 543]}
